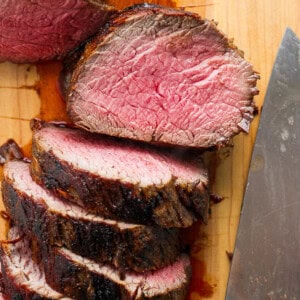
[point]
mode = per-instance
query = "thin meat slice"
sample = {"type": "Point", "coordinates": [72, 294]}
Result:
{"type": "Point", "coordinates": [123, 245]}
{"type": "Point", "coordinates": [120, 179]}
{"type": "Point", "coordinates": [38, 30]}
{"type": "Point", "coordinates": [165, 76]}
{"type": "Point", "coordinates": [22, 277]}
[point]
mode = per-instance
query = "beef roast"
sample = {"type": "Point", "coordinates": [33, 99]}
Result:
{"type": "Point", "coordinates": [41, 30]}
{"type": "Point", "coordinates": [119, 179]}
{"type": "Point", "coordinates": [22, 277]}
{"type": "Point", "coordinates": [55, 222]}
{"type": "Point", "coordinates": [162, 75]}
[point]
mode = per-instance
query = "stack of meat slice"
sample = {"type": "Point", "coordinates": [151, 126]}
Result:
{"type": "Point", "coordinates": [105, 214]}
{"type": "Point", "coordinates": [99, 216]}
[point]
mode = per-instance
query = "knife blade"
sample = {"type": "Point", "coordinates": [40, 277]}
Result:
{"type": "Point", "coordinates": [266, 259]}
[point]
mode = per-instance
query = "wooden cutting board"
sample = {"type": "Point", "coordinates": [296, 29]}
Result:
{"type": "Point", "coordinates": [27, 91]}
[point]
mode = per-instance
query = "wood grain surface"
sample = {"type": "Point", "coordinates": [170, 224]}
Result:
{"type": "Point", "coordinates": [257, 27]}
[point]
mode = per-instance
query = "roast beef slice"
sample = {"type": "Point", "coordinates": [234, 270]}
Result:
{"type": "Point", "coordinates": [120, 179]}
{"type": "Point", "coordinates": [164, 76]}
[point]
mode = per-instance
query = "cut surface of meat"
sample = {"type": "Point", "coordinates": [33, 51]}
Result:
{"type": "Point", "coordinates": [22, 277]}
{"type": "Point", "coordinates": [120, 179]}
{"type": "Point", "coordinates": [65, 270]}
{"type": "Point", "coordinates": [165, 76]}
{"type": "Point", "coordinates": [38, 30]}
{"type": "Point", "coordinates": [123, 245]}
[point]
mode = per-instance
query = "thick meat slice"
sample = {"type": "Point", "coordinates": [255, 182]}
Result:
{"type": "Point", "coordinates": [22, 277]}
{"type": "Point", "coordinates": [81, 278]}
{"type": "Point", "coordinates": [41, 30]}
{"type": "Point", "coordinates": [162, 75]}
{"type": "Point", "coordinates": [119, 179]}
{"type": "Point", "coordinates": [123, 245]}
{"type": "Point", "coordinates": [66, 270]}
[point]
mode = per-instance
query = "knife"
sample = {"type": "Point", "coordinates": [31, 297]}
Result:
{"type": "Point", "coordinates": [266, 259]}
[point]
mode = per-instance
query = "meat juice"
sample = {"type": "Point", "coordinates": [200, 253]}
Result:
{"type": "Point", "coordinates": [53, 106]}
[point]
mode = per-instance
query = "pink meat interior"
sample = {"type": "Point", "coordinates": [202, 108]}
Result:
{"type": "Point", "coordinates": [165, 79]}
{"type": "Point", "coordinates": [34, 30]}
{"type": "Point", "coordinates": [113, 159]}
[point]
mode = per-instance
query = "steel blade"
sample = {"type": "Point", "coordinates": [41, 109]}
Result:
{"type": "Point", "coordinates": [266, 260]}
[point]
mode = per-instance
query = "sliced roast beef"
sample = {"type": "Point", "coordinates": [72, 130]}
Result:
{"type": "Point", "coordinates": [41, 30]}
{"type": "Point", "coordinates": [55, 222]}
{"type": "Point", "coordinates": [119, 179]}
{"type": "Point", "coordinates": [22, 277]}
{"type": "Point", "coordinates": [66, 270]}
{"type": "Point", "coordinates": [162, 75]}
